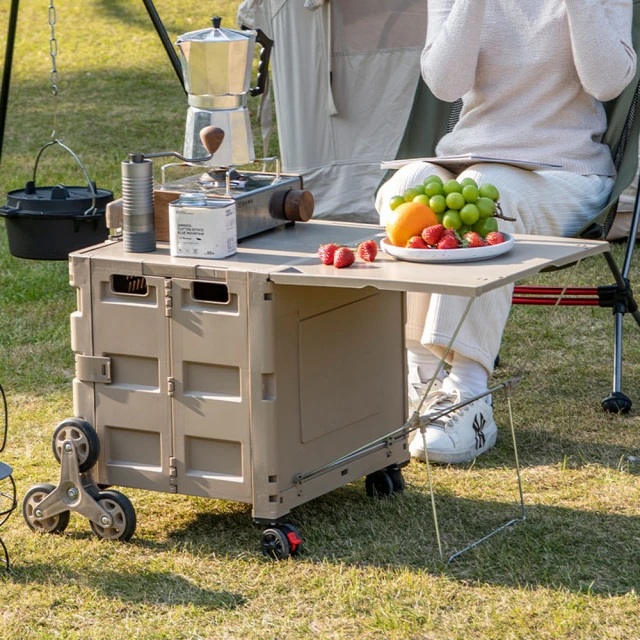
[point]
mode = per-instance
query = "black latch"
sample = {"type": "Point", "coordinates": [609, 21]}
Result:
{"type": "Point", "coordinates": [619, 299]}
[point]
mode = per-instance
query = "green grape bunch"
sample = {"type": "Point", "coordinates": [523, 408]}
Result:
{"type": "Point", "coordinates": [462, 206]}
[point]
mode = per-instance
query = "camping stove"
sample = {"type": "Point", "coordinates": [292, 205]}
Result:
{"type": "Point", "coordinates": [264, 200]}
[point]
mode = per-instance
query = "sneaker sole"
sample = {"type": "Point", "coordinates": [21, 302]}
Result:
{"type": "Point", "coordinates": [457, 457]}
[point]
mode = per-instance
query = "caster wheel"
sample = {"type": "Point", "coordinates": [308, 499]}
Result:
{"type": "Point", "coordinates": [397, 479]}
{"type": "Point", "coordinates": [617, 402]}
{"type": "Point", "coordinates": [293, 538]}
{"type": "Point", "coordinates": [122, 513]}
{"type": "Point", "coordinates": [378, 484]}
{"type": "Point", "coordinates": [275, 544]}
{"type": "Point", "coordinates": [85, 438]}
{"type": "Point", "coordinates": [33, 497]}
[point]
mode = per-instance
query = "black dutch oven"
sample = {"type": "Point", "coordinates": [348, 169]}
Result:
{"type": "Point", "coordinates": [48, 223]}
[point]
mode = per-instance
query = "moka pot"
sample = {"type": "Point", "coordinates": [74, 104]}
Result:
{"type": "Point", "coordinates": [216, 65]}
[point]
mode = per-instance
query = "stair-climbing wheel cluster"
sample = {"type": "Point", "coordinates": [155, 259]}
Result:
{"type": "Point", "coordinates": [47, 508]}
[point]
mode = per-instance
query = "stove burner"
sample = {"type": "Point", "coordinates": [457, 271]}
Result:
{"type": "Point", "coordinates": [217, 178]}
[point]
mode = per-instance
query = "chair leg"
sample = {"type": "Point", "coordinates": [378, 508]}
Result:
{"type": "Point", "coordinates": [622, 301]}
{"type": "Point", "coordinates": [617, 402]}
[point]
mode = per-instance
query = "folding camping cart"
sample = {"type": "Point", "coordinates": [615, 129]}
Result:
{"type": "Point", "coordinates": [266, 378]}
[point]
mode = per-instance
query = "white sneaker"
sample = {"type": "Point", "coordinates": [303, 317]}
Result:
{"type": "Point", "coordinates": [417, 389]}
{"type": "Point", "coordinates": [459, 436]}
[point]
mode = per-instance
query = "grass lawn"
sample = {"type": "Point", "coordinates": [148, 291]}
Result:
{"type": "Point", "coordinates": [371, 568]}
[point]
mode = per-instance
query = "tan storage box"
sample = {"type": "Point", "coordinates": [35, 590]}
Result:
{"type": "Point", "coordinates": [220, 383]}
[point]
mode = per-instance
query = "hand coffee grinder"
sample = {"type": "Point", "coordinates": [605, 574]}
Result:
{"type": "Point", "coordinates": [216, 65]}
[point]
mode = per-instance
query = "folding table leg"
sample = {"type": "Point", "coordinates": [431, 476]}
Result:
{"type": "Point", "coordinates": [424, 423]}
{"type": "Point", "coordinates": [523, 514]}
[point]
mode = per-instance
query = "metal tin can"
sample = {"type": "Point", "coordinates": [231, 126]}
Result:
{"type": "Point", "coordinates": [201, 227]}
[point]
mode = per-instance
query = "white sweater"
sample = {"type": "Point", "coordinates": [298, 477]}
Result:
{"type": "Point", "coordinates": [532, 75]}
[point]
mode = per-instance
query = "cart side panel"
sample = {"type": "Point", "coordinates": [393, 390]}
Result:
{"type": "Point", "coordinates": [209, 353]}
{"type": "Point", "coordinates": [82, 334]}
{"type": "Point", "coordinates": [133, 411]}
{"type": "Point", "coordinates": [267, 478]}
{"type": "Point", "coordinates": [339, 385]}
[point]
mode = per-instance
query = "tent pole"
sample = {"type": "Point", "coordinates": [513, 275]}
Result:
{"type": "Point", "coordinates": [164, 38]}
{"type": "Point", "coordinates": [6, 75]}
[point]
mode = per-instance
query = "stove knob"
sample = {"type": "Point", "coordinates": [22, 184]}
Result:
{"type": "Point", "coordinates": [294, 205]}
{"type": "Point", "coordinates": [298, 205]}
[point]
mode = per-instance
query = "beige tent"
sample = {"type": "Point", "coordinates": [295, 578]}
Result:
{"type": "Point", "coordinates": [344, 78]}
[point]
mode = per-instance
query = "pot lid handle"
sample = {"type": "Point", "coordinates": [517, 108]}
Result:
{"type": "Point", "coordinates": [92, 185]}
{"type": "Point", "coordinates": [59, 192]}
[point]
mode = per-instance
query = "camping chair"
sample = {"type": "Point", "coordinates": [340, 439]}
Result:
{"type": "Point", "coordinates": [422, 135]}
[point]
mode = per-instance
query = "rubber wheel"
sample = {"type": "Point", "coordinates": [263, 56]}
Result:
{"type": "Point", "coordinates": [378, 484]}
{"type": "Point", "coordinates": [275, 544]}
{"type": "Point", "coordinates": [397, 479]}
{"type": "Point", "coordinates": [85, 438]}
{"type": "Point", "coordinates": [293, 538]}
{"type": "Point", "coordinates": [33, 497]}
{"type": "Point", "coordinates": [617, 402]}
{"type": "Point", "coordinates": [122, 513]}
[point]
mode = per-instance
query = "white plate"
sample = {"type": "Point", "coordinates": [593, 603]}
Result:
{"type": "Point", "coordinates": [449, 255]}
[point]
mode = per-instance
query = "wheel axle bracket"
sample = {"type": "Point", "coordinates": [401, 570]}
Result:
{"type": "Point", "coordinates": [71, 493]}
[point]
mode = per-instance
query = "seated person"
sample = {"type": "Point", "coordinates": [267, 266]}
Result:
{"type": "Point", "coordinates": [532, 75]}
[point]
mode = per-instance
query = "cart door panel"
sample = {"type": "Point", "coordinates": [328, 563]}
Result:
{"type": "Point", "coordinates": [210, 359]}
{"type": "Point", "coordinates": [133, 411]}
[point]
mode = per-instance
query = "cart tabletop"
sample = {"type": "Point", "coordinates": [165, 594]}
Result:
{"type": "Point", "coordinates": [288, 256]}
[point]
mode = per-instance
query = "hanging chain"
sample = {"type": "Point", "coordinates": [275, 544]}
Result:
{"type": "Point", "coordinates": [53, 50]}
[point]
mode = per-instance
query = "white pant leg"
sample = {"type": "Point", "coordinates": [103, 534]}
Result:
{"type": "Point", "coordinates": [556, 203]}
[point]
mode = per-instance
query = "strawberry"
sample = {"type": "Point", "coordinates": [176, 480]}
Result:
{"type": "Point", "coordinates": [432, 234]}
{"type": "Point", "coordinates": [473, 240]}
{"type": "Point", "coordinates": [326, 252]}
{"type": "Point", "coordinates": [368, 250]}
{"type": "Point", "coordinates": [416, 242]}
{"type": "Point", "coordinates": [343, 257]}
{"type": "Point", "coordinates": [494, 237]}
{"type": "Point", "coordinates": [448, 241]}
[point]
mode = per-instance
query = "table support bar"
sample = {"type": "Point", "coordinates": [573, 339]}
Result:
{"type": "Point", "coordinates": [523, 513]}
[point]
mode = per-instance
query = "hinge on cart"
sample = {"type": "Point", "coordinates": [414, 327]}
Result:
{"type": "Point", "coordinates": [173, 474]}
{"type": "Point", "coordinates": [93, 368]}
{"type": "Point", "coordinates": [168, 298]}
{"type": "Point", "coordinates": [297, 480]}
{"type": "Point", "coordinates": [389, 445]}
{"type": "Point", "coordinates": [171, 386]}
